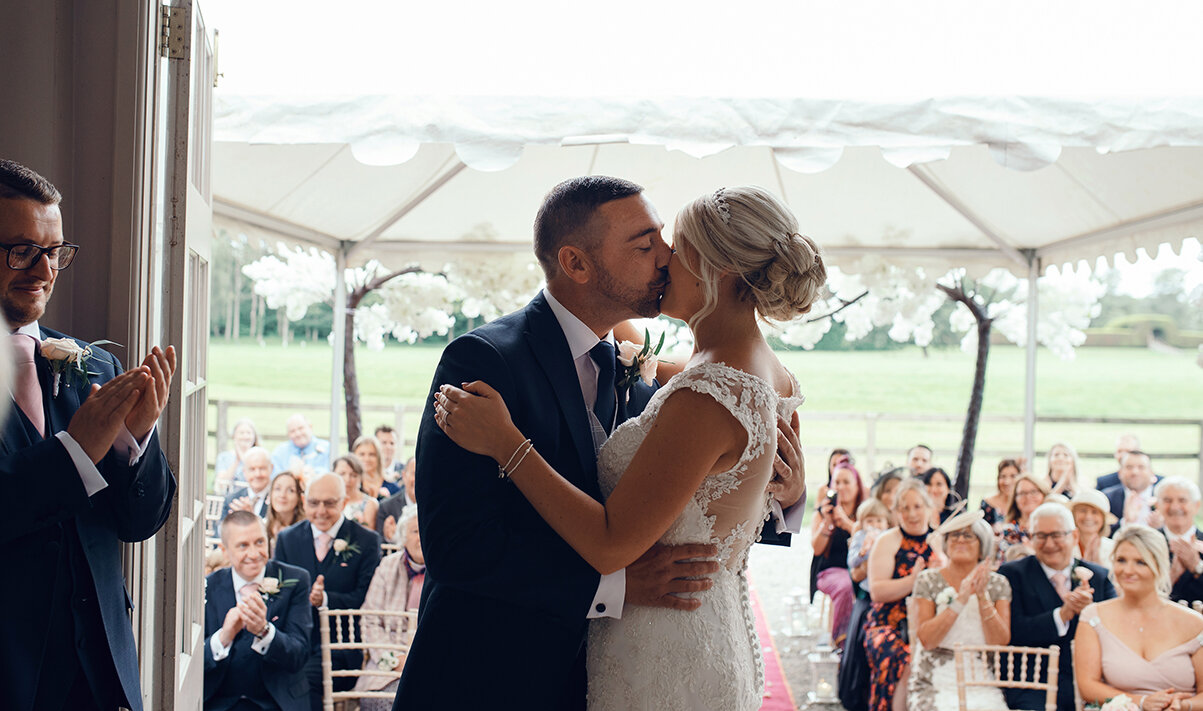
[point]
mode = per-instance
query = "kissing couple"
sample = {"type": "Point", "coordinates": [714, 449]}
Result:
{"type": "Point", "coordinates": [542, 510]}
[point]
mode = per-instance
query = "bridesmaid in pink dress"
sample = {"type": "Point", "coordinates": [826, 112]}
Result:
{"type": "Point", "coordinates": [1141, 644]}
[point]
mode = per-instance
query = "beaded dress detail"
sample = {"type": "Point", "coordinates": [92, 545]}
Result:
{"type": "Point", "coordinates": [669, 660]}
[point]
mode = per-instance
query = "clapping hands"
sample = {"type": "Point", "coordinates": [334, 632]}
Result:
{"type": "Point", "coordinates": [249, 614]}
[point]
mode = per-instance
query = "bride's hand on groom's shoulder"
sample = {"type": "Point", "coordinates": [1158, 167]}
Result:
{"type": "Point", "coordinates": [663, 572]}
{"type": "Point", "coordinates": [476, 418]}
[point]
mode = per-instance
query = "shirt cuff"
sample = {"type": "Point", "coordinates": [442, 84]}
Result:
{"type": "Point", "coordinates": [127, 446]}
{"type": "Point", "coordinates": [788, 520]}
{"type": "Point", "coordinates": [325, 598]}
{"type": "Point", "coordinates": [88, 473]}
{"type": "Point", "coordinates": [611, 591]}
{"type": "Point", "coordinates": [261, 644]}
{"type": "Point", "coordinates": [219, 652]}
{"type": "Point", "coordinates": [1062, 625]}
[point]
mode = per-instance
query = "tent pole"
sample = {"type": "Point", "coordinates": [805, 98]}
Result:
{"type": "Point", "coordinates": [336, 376]}
{"type": "Point", "coordinates": [1029, 398]}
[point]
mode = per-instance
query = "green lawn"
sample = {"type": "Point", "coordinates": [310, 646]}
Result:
{"type": "Point", "coordinates": [1099, 382]}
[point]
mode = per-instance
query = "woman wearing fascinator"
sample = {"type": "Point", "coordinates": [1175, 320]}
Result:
{"type": "Point", "coordinates": [961, 603]}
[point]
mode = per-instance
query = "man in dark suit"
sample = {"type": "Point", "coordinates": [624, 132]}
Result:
{"type": "Point", "coordinates": [497, 574]}
{"type": "Point", "coordinates": [1126, 443]}
{"type": "Point", "coordinates": [1177, 504]}
{"type": "Point", "coordinates": [340, 556]}
{"type": "Point", "coordinates": [390, 509]}
{"type": "Point", "coordinates": [257, 623]}
{"type": "Point", "coordinates": [79, 451]}
{"type": "Point", "coordinates": [1048, 591]}
{"type": "Point", "coordinates": [1132, 499]}
{"type": "Point", "coordinates": [255, 496]}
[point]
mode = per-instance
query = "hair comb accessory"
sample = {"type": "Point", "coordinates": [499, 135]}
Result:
{"type": "Point", "coordinates": [720, 204]}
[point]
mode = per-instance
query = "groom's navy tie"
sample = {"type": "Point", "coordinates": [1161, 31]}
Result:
{"type": "Point", "coordinates": [604, 355]}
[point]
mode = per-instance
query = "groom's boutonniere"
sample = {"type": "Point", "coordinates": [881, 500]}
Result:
{"type": "Point", "coordinates": [67, 356]}
{"type": "Point", "coordinates": [638, 363]}
{"type": "Point", "coordinates": [270, 587]}
{"type": "Point", "coordinates": [345, 551]}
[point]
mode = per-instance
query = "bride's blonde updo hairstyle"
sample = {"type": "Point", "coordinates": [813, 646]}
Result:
{"type": "Point", "coordinates": [748, 232]}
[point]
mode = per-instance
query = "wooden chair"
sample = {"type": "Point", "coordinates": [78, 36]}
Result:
{"type": "Point", "coordinates": [982, 665]}
{"type": "Point", "coordinates": [390, 548]}
{"type": "Point", "coordinates": [346, 636]}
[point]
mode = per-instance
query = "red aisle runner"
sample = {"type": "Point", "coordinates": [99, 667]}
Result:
{"type": "Point", "coordinates": [777, 694]}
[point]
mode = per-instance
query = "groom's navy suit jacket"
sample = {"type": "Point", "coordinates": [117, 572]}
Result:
{"type": "Point", "coordinates": [505, 599]}
{"type": "Point", "coordinates": [65, 603]}
{"type": "Point", "coordinates": [1033, 599]}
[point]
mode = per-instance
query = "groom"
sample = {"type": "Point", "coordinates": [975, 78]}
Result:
{"type": "Point", "coordinates": [506, 600]}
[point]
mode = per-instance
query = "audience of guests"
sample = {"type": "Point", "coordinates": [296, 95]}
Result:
{"type": "Point", "coordinates": [963, 602]}
{"type": "Point", "coordinates": [390, 509]}
{"type": "Point", "coordinates": [302, 453]}
{"type": "Point", "coordinates": [1126, 443]}
{"type": "Point", "coordinates": [340, 557]}
{"type": "Point", "coordinates": [360, 508]}
{"type": "Point", "coordinates": [1093, 519]}
{"type": "Point", "coordinates": [830, 532]}
{"type": "Point", "coordinates": [397, 585]}
{"type": "Point", "coordinates": [257, 468]}
{"type": "Point", "coordinates": [257, 623]}
{"type": "Point", "coordinates": [287, 506]}
{"type": "Point", "coordinates": [1049, 590]}
{"type": "Point", "coordinates": [1140, 645]}
{"type": "Point", "coordinates": [897, 559]}
{"type": "Point", "coordinates": [367, 449]}
{"type": "Point", "coordinates": [1177, 505]}
{"type": "Point", "coordinates": [1063, 469]}
{"type": "Point", "coordinates": [1132, 499]}
{"type": "Point", "coordinates": [387, 437]}
{"type": "Point", "coordinates": [939, 490]}
{"type": "Point", "coordinates": [994, 506]}
{"type": "Point", "coordinates": [229, 463]}
{"type": "Point", "coordinates": [918, 459]}
{"type": "Point", "coordinates": [1028, 494]}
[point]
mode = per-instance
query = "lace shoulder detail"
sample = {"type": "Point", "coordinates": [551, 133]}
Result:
{"type": "Point", "coordinates": [929, 584]}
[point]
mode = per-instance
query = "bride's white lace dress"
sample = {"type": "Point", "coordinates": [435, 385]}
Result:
{"type": "Point", "coordinates": [707, 659]}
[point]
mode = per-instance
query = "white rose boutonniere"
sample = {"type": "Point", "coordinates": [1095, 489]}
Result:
{"type": "Point", "coordinates": [343, 550]}
{"type": "Point", "coordinates": [1083, 574]}
{"type": "Point", "coordinates": [639, 363]}
{"type": "Point", "coordinates": [340, 545]}
{"type": "Point", "coordinates": [67, 356]}
{"type": "Point", "coordinates": [269, 587]}
{"type": "Point", "coordinates": [388, 661]}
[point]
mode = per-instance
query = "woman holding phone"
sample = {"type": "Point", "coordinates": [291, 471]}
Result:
{"type": "Point", "coordinates": [830, 532]}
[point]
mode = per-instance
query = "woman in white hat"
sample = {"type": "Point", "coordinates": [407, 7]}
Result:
{"type": "Point", "coordinates": [1093, 516]}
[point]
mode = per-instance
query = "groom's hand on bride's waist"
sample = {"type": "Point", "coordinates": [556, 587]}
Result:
{"type": "Point", "coordinates": [663, 572]}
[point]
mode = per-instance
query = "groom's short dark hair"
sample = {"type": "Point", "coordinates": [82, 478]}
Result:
{"type": "Point", "coordinates": [566, 212]}
{"type": "Point", "coordinates": [17, 181]}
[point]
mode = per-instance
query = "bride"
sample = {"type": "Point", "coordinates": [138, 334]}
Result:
{"type": "Point", "coordinates": [692, 468]}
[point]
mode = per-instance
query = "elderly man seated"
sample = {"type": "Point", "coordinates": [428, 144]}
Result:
{"type": "Point", "coordinates": [302, 453]}
{"type": "Point", "coordinates": [1178, 503]}
{"type": "Point", "coordinates": [257, 624]}
{"type": "Point", "coordinates": [257, 467]}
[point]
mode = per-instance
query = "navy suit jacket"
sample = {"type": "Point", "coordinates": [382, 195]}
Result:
{"type": "Point", "coordinates": [504, 596]}
{"type": "Point", "coordinates": [1188, 586]}
{"type": "Point", "coordinates": [62, 542]}
{"type": "Point", "coordinates": [347, 575]}
{"type": "Point", "coordinates": [282, 668]}
{"type": "Point", "coordinates": [1032, 602]}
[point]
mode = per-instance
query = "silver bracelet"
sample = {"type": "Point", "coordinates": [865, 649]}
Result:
{"type": "Point", "coordinates": [503, 470]}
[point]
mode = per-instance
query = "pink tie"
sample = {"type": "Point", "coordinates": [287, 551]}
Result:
{"type": "Point", "coordinates": [1061, 584]}
{"type": "Point", "coordinates": [27, 391]}
{"type": "Point", "coordinates": [248, 589]}
{"type": "Point", "coordinates": [323, 545]}
{"type": "Point", "coordinates": [415, 592]}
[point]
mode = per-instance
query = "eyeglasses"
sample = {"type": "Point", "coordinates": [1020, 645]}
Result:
{"type": "Point", "coordinates": [25, 256]}
{"type": "Point", "coordinates": [322, 503]}
{"type": "Point", "coordinates": [1028, 494]}
{"type": "Point", "coordinates": [963, 534]}
{"type": "Point", "coordinates": [1054, 536]}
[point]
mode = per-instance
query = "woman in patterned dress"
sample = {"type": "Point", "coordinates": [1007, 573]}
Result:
{"type": "Point", "coordinates": [994, 507]}
{"type": "Point", "coordinates": [1029, 492]}
{"type": "Point", "coordinates": [894, 564]}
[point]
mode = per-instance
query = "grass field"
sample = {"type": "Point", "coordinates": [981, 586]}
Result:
{"type": "Point", "coordinates": [1099, 382]}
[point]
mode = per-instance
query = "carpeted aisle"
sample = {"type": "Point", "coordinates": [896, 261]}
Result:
{"type": "Point", "coordinates": [777, 694]}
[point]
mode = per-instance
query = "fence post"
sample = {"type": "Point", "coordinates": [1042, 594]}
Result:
{"type": "Point", "coordinates": [223, 429]}
{"type": "Point", "coordinates": [871, 442]}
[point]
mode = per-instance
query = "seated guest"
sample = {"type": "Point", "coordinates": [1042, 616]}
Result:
{"type": "Point", "coordinates": [960, 603]}
{"type": "Point", "coordinates": [1045, 602]}
{"type": "Point", "coordinates": [1141, 645]}
{"type": "Point", "coordinates": [897, 559]}
{"type": "Point", "coordinates": [829, 535]}
{"type": "Point", "coordinates": [1178, 504]}
{"type": "Point", "coordinates": [367, 449]}
{"type": "Point", "coordinates": [1029, 493]}
{"type": "Point", "coordinates": [994, 506]}
{"type": "Point", "coordinates": [837, 457]}
{"type": "Point", "coordinates": [229, 463]}
{"type": "Point", "coordinates": [387, 437]}
{"type": "Point", "coordinates": [918, 459]}
{"type": "Point", "coordinates": [872, 520]}
{"type": "Point", "coordinates": [1126, 443]}
{"type": "Point", "coordinates": [397, 585]}
{"type": "Point", "coordinates": [340, 557]}
{"type": "Point", "coordinates": [361, 508]}
{"type": "Point", "coordinates": [1093, 519]}
{"type": "Point", "coordinates": [1132, 499]}
{"type": "Point", "coordinates": [1063, 469]}
{"type": "Point", "coordinates": [302, 453]}
{"type": "Point", "coordinates": [390, 509]}
{"type": "Point", "coordinates": [257, 623]}
{"type": "Point", "coordinates": [286, 507]}
{"type": "Point", "coordinates": [939, 490]}
{"type": "Point", "coordinates": [884, 487]}
{"type": "Point", "coordinates": [257, 467]}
